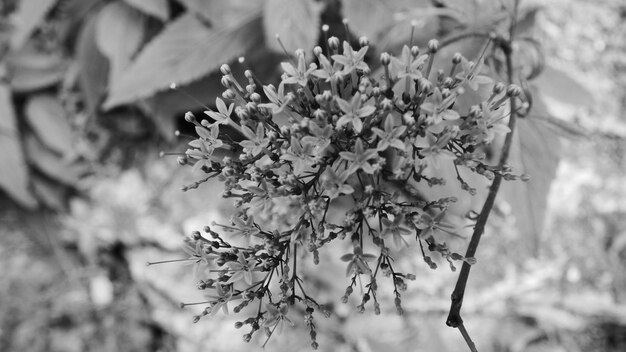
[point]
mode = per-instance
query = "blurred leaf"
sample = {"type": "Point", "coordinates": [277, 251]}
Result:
{"type": "Point", "coordinates": [119, 34]}
{"type": "Point", "coordinates": [29, 70]}
{"type": "Point", "coordinates": [536, 152]}
{"type": "Point", "coordinates": [14, 171]}
{"type": "Point", "coordinates": [560, 85]}
{"type": "Point", "coordinates": [185, 51]}
{"type": "Point", "coordinates": [156, 8]}
{"type": "Point", "coordinates": [48, 119]}
{"type": "Point", "coordinates": [359, 13]}
{"type": "Point", "coordinates": [296, 22]}
{"type": "Point", "coordinates": [49, 193]}
{"type": "Point", "coordinates": [49, 163]}
{"type": "Point", "coordinates": [93, 66]}
{"type": "Point", "coordinates": [223, 13]}
{"type": "Point", "coordinates": [28, 16]}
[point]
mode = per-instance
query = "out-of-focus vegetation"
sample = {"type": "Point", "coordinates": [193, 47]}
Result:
{"type": "Point", "coordinates": [85, 108]}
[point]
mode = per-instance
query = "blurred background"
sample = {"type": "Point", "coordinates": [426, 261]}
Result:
{"type": "Point", "coordinates": [86, 201]}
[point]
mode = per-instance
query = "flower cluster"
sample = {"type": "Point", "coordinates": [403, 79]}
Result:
{"type": "Point", "coordinates": [335, 138]}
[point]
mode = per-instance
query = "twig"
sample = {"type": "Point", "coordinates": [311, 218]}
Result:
{"type": "Point", "coordinates": [454, 316]}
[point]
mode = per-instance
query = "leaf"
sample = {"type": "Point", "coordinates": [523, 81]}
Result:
{"type": "Point", "coordinates": [223, 13]}
{"type": "Point", "coordinates": [184, 52]}
{"type": "Point", "coordinates": [119, 34]}
{"type": "Point", "coordinates": [165, 105]}
{"type": "Point", "coordinates": [536, 152]}
{"type": "Point", "coordinates": [359, 14]}
{"type": "Point", "coordinates": [93, 66]}
{"type": "Point", "coordinates": [558, 84]}
{"type": "Point", "coordinates": [156, 8]}
{"type": "Point", "coordinates": [48, 119]}
{"type": "Point", "coordinates": [30, 70]}
{"type": "Point", "coordinates": [49, 163]}
{"type": "Point", "coordinates": [29, 15]}
{"type": "Point", "coordinates": [49, 193]}
{"type": "Point", "coordinates": [13, 169]}
{"type": "Point", "coordinates": [296, 22]}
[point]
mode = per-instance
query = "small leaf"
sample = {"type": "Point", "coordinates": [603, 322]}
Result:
{"type": "Point", "coordinates": [13, 170]}
{"type": "Point", "coordinates": [185, 51]}
{"type": "Point", "coordinates": [156, 8]}
{"type": "Point", "coordinates": [48, 119]}
{"type": "Point", "coordinates": [297, 23]}
{"type": "Point", "coordinates": [93, 66]}
{"type": "Point", "coordinates": [536, 152]}
{"type": "Point", "coordinates": [359, 13]}
{"type": "Point", "coordinates": [29, 70]}
{"type": "Point", "coordinates": [49, 193]}
{"type": "Point", "coordinates": [561, 86]}
{"type": "Point", "coordinates": [223, 13]}
{"type": "Point", "coordinates": [119, 33]}
{"type": "Point", "coordinates": [29, 15]}
{"type": "Point", "coordinates": [49, 163]}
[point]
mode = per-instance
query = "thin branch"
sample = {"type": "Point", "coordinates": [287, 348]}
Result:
{"type": "Point", "coordinates": [454, 316]}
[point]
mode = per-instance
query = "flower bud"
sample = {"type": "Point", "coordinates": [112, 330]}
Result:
{"type": "Point", "coordinates": [457, 58]}
{"type": "Point", "coordinates": [228, 94]}
{"type": "Point", "coordinates": [415, 50]}
{"type": "Point", "coordinates": [255, 97]}
{"type": "Point", "coordinates": [513, 90]}
{"type": "Point", "coordinates": [333, 43]}
{"type": "Point", "coordinates": [225, 69]}
{"type": "Point", "coordinates": [433, 45]}
{"type": "Point", "coordinates": [182, 160]}
{"type": "Point", "coordinates": [189, 117]}
{"type": "Point", "coordinates": [226, 82]}
{"type": "Point", "coordinates": [385, 59]}
{"type": "Point", "coordinates": [317, 51]}
{"type": "Point", "coordinates": [364, 41]}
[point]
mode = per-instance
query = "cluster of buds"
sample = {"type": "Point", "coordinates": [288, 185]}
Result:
{"type": "Point", "coordinates": [328, 156]}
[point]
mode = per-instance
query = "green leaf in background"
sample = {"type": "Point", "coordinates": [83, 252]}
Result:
{"type": "Point", "coordinates": [297, 23]}
{"type": "Point", "coordinates": [93, 67]}
{"type": "Point", "coordinates": [559, 85]}
{"type": "Point", "coordinates": [155, 8]}
{"type": "Point", "coordinates": [30, 70]}
{"type": "Point", "coordinates": [119, 34]}
{"type": "Point", "coordinates": [184, 51]}
{"type": "Point", "coordinates": [48, 119]}
{"type": "Point", "coordinates": [25, 20]}
{"type": "Point", "coordinates": [360, 12]}
{"type": "Point", "coordinates": [49, 163]}
{"type": "Point", "coordinates": [535, 151]}
{"type": "Point", "coordinates": [392, 27]}
{"type": "Point", "coordinates": [223, 13]}
{"type": "Point", "coordinates": [50, 193]}
{"type": "Point", "coordinates": [13, 168]}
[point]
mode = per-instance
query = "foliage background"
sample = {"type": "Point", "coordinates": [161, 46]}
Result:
{"type": "Point", "coordinates": [75, 277]}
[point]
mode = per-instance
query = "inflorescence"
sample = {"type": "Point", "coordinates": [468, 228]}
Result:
{"type": "Point", "coordinates": [334, 133]}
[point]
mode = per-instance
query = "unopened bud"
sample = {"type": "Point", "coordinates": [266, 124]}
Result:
{"type": "Point", "coordinates": [513, 90]}
{"type": "Point", "coordinates": [333, 43]}
{"type": "Point", "coordinates": [225, 69]}
{"type": "Point", "coordinates": [385, 59]}
{"type": "Point", "coordinates": [433, 45]}
{"type": "Point", "coordinates": [457, 58]}
{"type": "Point", "coordinates": [364, 41]}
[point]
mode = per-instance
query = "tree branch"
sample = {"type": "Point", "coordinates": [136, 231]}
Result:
{"type": "Point", "coordinates": [454, 316]}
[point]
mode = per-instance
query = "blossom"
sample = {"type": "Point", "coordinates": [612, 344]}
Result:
{"type": "Point", "coordinates": [297, 75]}
{"type": "Point", "coordinates": [222, 116]}
{"type": "Point", "coordinates": [438, 108]}
{"type": "Point", "coordinates": [359, 159]}
{"type": "Point", "coordinates": [390, 136]}
{"type": "Point", "coordinates": [334, 185]}
{"type": "Point", "coordinates": [224, 295]}
{"type": "Point", "coordinates": [407, 66]}
{"type": "Point", "coordinates": [430, 225]}
{"type": "Point", "coordinates": [395, 230]}
{"type": "Point", "coordinates": [256, 141]}
{"type": "Point", "coordinates": [300, 155]}
{"type": "Point", "coordinates": [351, 60]}
{"type": "Point", "coordinates": [357, 262]}
{"type": "Point", "coordinates": [242, 269]}
{"type": "Point", "coordinates": [353, 112]}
